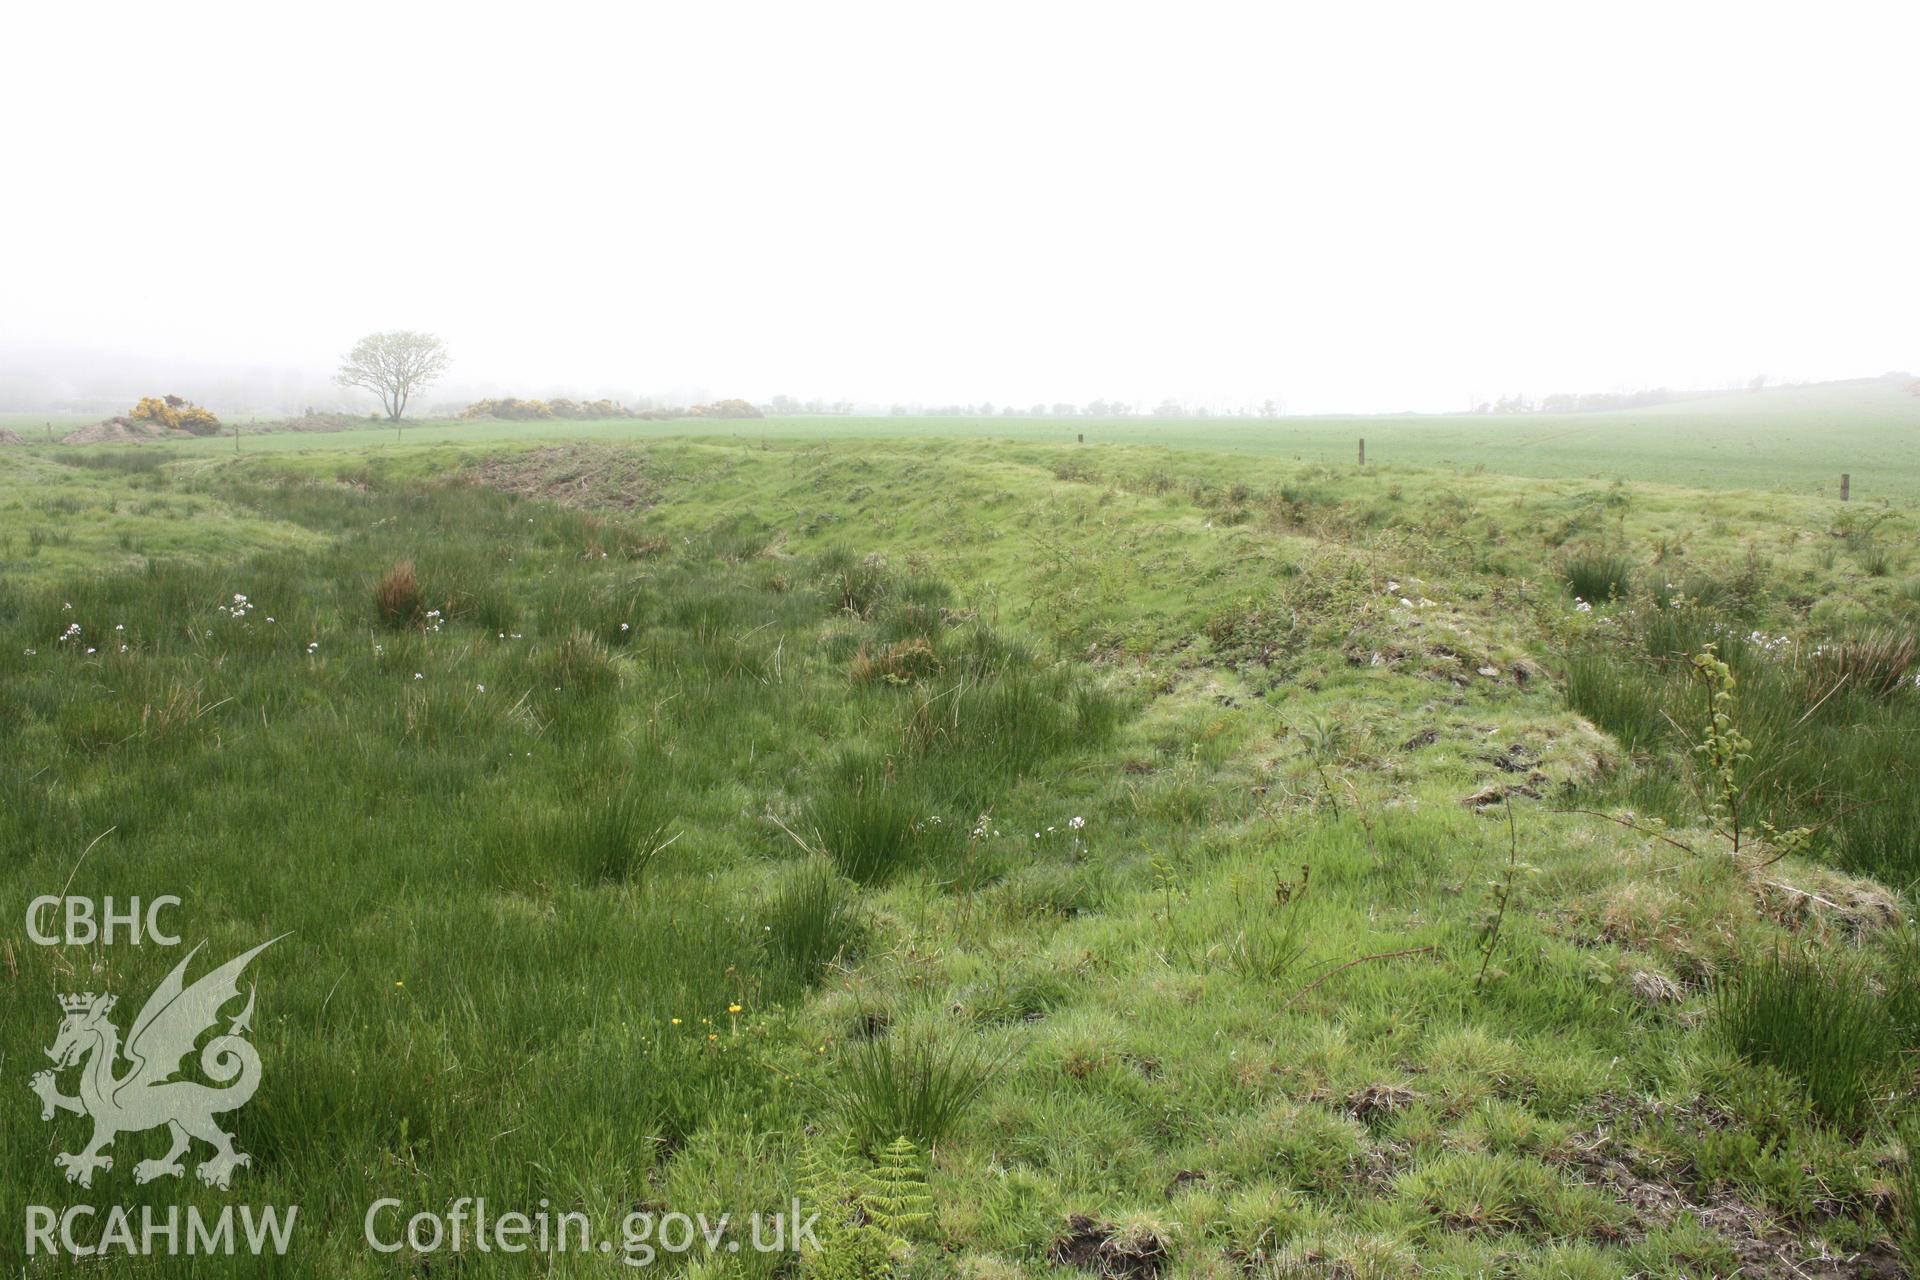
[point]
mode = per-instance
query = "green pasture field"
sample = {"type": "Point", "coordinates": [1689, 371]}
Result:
{"type": "Point", "coordinates": [1212, 857]}
{"type": "Point", "coordinates": [1787, 439]}
{"type": "Point", "coordinates": [34, 428]}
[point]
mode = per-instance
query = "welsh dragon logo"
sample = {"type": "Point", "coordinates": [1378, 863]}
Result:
{"type": "Point", "coordinates": [146, 1095]}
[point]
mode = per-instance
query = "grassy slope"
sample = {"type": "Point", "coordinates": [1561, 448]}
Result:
{"type": "Point", "coordinates": [65, 522]}
{"type": "Point", "coordinates": [1136, 971]}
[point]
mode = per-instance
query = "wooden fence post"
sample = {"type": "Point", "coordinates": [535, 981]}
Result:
{"type": "Point", "coordinates": [1846, 484]}
{"type": "Point", "coordinates": [1080, 436]}
{"type": "Point", "coordinates": [1363, 451]}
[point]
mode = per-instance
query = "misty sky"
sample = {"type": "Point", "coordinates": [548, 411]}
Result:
{"type": "Point", "coordinates": [1344, 207]}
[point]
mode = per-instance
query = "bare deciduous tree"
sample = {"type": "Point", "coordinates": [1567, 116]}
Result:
{"type": "Point", "coordinates": [394, 365]}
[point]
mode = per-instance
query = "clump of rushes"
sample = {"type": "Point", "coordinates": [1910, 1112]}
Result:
{"type": "Point", "coordinates": [916, 1085]}
{"type": "Point", "coordinates": [1598, 575]}
{"type": "Point", "coordinates": [1879, 662]}
{"type": "Point", "coordinates": [1823, 1022]}
{"type": "Point", "coordinates": [1906, 1194]}
{"type": "Point", "coordinates": [865, 825]}
{"type": "Point", "coordinates": [1615, 694]}
{"type": "Point", "coordinates": [814, 922]}
{"type": "Point", "coordinates": [616, 839]}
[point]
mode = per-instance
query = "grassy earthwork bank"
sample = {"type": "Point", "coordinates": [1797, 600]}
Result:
{"type": "Point", "coordinates": [1212, 863]}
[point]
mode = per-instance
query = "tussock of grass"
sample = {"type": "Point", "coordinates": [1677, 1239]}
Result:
{"type": "Point", "coordinates": [854, 583]}
{"type": "Point", "coordinates": [1876, 560]}
{"type": "Point", "coordinates": [397, 597]}
{"type": "Point", "coordinates": [901, 662]}
{"type": "Point", "coordinates": [580, 664]}
{"type": "Point", "coordinates": [1497, 1192]}
{"type": "Point", "coordinates": [1002, 726]}
{"type": "Point", "coordinates": [915, 609]}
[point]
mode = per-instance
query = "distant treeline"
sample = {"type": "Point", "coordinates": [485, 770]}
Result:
{"type": "Point", "coordinates": [1091, 409]}
{"type": "Point", "coordinates": [1578, 401]}
{"type": "Point", "coordinates": [514, 408]}
{"type": "Point", "coordinates": [788, 406]}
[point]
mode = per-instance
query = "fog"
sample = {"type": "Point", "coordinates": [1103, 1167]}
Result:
{"type": "Point", "coordinates": [1338, 208]}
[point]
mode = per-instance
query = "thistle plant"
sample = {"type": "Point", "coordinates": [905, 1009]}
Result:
{"type": "Point", "coordinates": [1270, 937]}
{"type": "Point", "coordinates": [1501, 898]}
{"type": "Point", "coordinates": [1321, 740]}
{"type": "Point", "coordinates": [1166, 883]}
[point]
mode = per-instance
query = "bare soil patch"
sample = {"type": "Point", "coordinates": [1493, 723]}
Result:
{"type": "Point", "coordinates": [123, 431]}
{"type": "Point", "coordinates": [313, 422]}
{"type": "Point", "coordinates": [576, 475]}
{"type": "Point", "coordinates": [1103, 1249]}
{"type": "Point", "coordinates": [1764, 1249]}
